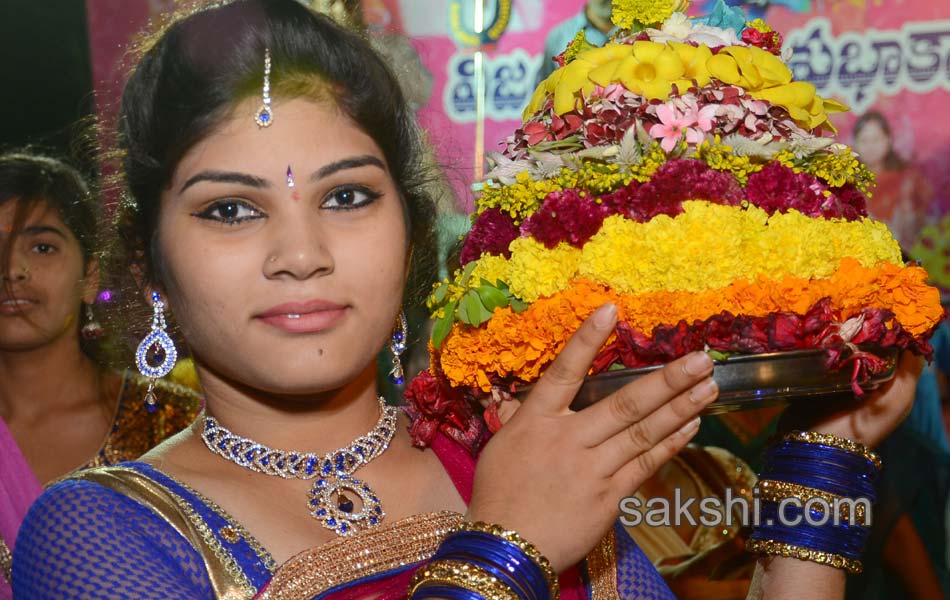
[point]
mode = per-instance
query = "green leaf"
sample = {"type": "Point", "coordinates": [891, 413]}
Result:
{"type": "Point", "coordinates": [439, 294]}
{"type": "Point", "coordinates": [443, 325]}
{"type": "Point", "coordinates": [467, 272]}
{"type": "Point", "coordinates": [518, 305]}
{"type": "Point", "coordinates": [465, 307]}
{"type": "Point", "coordinates": [617, 366]}
{"type": "Point", "coordinates": [492, 297]}
{"type": "Point", "coordinates": [718, 355]}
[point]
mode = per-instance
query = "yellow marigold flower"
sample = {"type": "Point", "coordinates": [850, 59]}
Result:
{"type": "Point", "coordinates": [706, 247]}
{"type": "Point", "coordinates": [627, 14]}
{"type": "Point", "coordinates": [535, 271]}
{"type": "Point", "coordinates": [489, 267]}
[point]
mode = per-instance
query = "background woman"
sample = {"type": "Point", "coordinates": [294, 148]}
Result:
{"type": "Point", "coordinates": [275, 203]}
{"type": "Point", "coordinates": [902, 194]}
{"type": "Point", "coordinates": [60, 409]}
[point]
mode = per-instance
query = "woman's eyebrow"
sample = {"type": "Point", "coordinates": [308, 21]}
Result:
{"type": "Point", "coordinates": [347, 163]}
{"type": "Point", "coordinates": [41, 229]}
{"type": "Point", "coordinates": [226, 177]}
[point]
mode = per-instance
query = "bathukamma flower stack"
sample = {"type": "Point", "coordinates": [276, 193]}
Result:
{"type": "Point", "coordinates": [682, 173]}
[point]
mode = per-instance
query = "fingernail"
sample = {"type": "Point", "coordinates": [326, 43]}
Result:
{"type": "Point", "coordinates": [698, 363]}
{"type": "Point", "coordinates": [605, 315]}
{"type": "Point", "coordinates": [704, 390]}
{"type": "Point", "coordinates": [690, 427]}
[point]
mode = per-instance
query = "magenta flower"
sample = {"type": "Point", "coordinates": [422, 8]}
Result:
{"type": "Point", "coordinates": [491, 233]}
{"type": "Point", "coordinates": [565, 216]}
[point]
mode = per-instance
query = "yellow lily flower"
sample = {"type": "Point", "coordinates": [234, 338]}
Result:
{"type": "Point", "coordinates": [694, 60]}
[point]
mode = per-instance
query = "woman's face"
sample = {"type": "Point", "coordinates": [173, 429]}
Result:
{"type": "Point", "coordinates": [872, 143]}
{"type": "Point", "coordinates": [45, 283]}
{"type": "Point", "coordinates": [286, 289]}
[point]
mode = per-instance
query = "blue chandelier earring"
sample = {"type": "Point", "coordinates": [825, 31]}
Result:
{"type": "Point", "coordinates": [397, 345]}
{"type": "Point", "coordinates": [165, 352]}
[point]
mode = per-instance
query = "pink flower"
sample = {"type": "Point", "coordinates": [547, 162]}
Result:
{"type": "Point", "coordinates": [673, 126]}
{"type": "Point", "coordinates": [706, 118]}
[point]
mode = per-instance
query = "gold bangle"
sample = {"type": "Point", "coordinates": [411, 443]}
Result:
{"type": "Point", "coordinates": [775, 548]}
{"type": "Point", "coordinates": [463, 575]}
{"type": "Point", "coordinates": [526, 547]}
{"type": "Point", "coordinates": [827, 439]}
{"type": "Point", "coordinates": [771, 490]}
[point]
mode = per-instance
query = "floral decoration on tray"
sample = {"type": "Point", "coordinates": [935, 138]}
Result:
{"type": "Point", "coordinates": [682, 173]}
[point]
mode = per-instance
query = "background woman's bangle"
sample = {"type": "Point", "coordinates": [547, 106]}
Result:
{"type": "Point", "coordinates": [830, 470]}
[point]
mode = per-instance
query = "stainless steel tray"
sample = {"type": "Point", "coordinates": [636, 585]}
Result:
{"type": "Point", "coordinates": [753, 381]}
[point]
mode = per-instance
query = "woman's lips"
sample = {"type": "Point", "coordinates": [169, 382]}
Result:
{"type": "Point", "coordinates": [304, 317]}
{"type": "Point", "coordinates": [16, 306]}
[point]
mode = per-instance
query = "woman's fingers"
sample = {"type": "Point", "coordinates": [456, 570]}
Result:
{"type": "Point", "coordinates": [632, 475]}
{"type": "Point", "coordinates": [555, 390]}
{"type": "Point", "coordinates": [640, 398]}
{"type": "Point", "coordinates": [642, 436]}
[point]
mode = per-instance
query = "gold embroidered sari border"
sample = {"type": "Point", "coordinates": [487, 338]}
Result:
{"type": "Point", "coordinates": [402, 543]}
{"type": "Point", "coordinates": [6, 560]}
{"type": "Point", "coordinates": [602, 569]}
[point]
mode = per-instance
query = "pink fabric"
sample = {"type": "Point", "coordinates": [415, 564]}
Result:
{"type": "Point", "coordinates": [18, 486]}
{"type": "Point", "coordinates": [18, 489]}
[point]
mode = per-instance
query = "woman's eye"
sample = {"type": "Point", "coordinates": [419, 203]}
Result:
{"type": "Point", "coordinates": [43, 248]}
{"type": "Point", "coordinates": [347, 198]}
{"type": "Point", "coordinates": [230, 212]}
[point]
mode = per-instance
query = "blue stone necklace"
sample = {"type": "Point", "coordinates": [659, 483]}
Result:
{"type": "Point", "coordinates": [329, 499]}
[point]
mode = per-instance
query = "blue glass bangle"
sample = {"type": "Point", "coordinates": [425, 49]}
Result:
{"type": "Point", "coordinates": [486, 549]}
{"type": "Point", "coordinates": [449, 592]}
{"type": "Point", "coordinates": [843, 539]}
{"type": "Point", "coordinates": [795, 451]}
{"type": "Point", "coordinates": [828, 453]}
{"type": "Point", "coordinates": [832, 483]}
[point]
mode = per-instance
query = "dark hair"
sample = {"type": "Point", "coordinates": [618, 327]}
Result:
{"type": "Point", "coordinates": [892, 161]}
{"type": "Point", "coordinates": [31, 180]}
{"type": "Point", "coordinates": [193, 72]}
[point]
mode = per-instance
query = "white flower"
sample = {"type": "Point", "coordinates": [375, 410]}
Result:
{"type": "Point", "coordinates": [680, 28]}
{"type": "Point", "coordinates": [677, 26]}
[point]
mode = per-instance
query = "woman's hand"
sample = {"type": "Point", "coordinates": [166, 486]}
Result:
{"type": "Point", "coordinates": [556, 476]}
{"type": "Point", "coordinates": [866, 420]}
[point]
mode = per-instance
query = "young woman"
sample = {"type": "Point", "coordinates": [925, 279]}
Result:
{"type": "Point", "coordinates": [275, 204]}
{"type": "Point", "coordinates": [60, 409]}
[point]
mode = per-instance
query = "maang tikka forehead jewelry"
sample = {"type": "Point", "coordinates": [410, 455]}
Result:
{"type": "Point", "coordinates": [290, 177]}
{"type": "Point", "coordinates": [265, 116]}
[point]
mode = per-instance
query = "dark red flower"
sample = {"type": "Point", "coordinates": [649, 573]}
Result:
{"type": "Point", "coordinates": [685, 179]}
{"type": "Point", "coordinates": [568, 216]}
{"type": "Point", "coordinates": [491, 233]}
{"type": "Point", "coordinates": [718, 331]}
{"type": "Point", "coordinates": [436, 407]}
{"type": "Point", "coordinates": [785, 331]}
{"type": "Point", "coordinates": [852, 204]}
